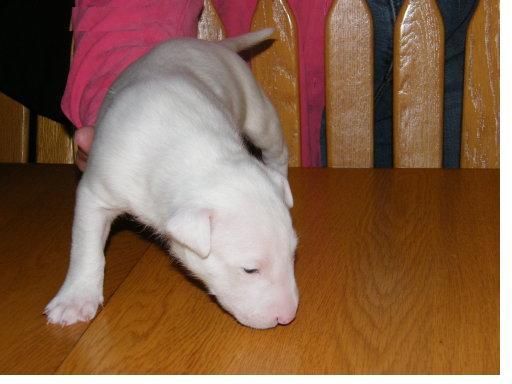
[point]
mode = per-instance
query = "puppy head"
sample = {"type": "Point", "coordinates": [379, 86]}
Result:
{"type": "Point", "coordinates": [244, 255]}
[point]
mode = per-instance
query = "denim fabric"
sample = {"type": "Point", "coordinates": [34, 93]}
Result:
{"type": "Point", "coordinates": [456, 15]}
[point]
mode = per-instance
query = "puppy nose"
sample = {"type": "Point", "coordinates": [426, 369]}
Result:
{"type": "Point", "coordinates": [286, 319]}
{"type": "Point", "coordinates": [287, 316]}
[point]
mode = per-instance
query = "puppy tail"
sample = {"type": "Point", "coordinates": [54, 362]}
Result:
{"type": "Point", "coordinates": [248, 40]}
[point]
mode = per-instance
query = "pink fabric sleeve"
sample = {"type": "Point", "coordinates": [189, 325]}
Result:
{"type": "Point", "coordinates": [235, 15]}
{"type": "Point", "coordinates": [112, 34]}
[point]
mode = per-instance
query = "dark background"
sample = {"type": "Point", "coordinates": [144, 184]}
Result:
{"type": "Point", "coordinates": [35, 44]}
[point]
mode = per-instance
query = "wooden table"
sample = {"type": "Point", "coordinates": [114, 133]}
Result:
{"type": "Point", "coordinates": [398, 272]}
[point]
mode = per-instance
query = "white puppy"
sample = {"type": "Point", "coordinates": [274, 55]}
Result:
{"type": "Point", "coordinates": [169, 150]}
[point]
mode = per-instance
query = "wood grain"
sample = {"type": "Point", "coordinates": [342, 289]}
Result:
{"type": "Point", "coordinates": [54, 143]}
{"type": "Point", "coordinates": [277, 69]}
{"type": "Point", "coordinates": [402, 277]}
{"type": "Point", "coordinates": [36, 212]}
{"type": "Point", "coordinates": [349, 84]}
{"type": "Point", "coordinates": [14, 123]}
{"type": "Point", "coordinates": [210, 26]}
{"type": "Point", "coordinates": [481, 105]}
{"type": "Point", "coordinates": [418, 78]}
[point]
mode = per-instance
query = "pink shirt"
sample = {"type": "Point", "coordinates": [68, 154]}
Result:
{"type": "Point", "coordinates": [111, 34]}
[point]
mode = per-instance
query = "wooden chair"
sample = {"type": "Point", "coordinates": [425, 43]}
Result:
{"type": "Point", "coordinates": [417, 91]}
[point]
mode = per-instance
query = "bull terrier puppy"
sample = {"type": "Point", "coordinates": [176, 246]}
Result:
{"type": "Point", "coordinates": [169, 150]}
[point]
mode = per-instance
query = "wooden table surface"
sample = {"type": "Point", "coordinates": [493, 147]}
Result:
{"type": "Point", "coordinates": [398, 272]}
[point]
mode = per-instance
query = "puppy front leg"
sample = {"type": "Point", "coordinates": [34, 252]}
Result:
{"type": "Point", "coordinates": [82, 291]}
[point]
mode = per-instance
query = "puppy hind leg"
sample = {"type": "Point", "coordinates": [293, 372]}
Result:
{"type": "Point", "coordinates": [265, 132]}
{"type": "Point", "coordinates": [82, 291]}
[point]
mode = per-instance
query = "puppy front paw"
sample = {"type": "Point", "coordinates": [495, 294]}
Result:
{"type": "Point", "coordinates": [70, 307]}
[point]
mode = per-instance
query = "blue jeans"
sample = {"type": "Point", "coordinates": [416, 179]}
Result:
{"type": "Point", "coordinates": [457, 15]}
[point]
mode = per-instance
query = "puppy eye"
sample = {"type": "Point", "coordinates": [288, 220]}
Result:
{"type": "Point", "coordinates": [254, 270]}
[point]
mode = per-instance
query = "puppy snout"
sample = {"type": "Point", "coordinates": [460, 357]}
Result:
{"type": "Point", "coordinates": [287, 313]}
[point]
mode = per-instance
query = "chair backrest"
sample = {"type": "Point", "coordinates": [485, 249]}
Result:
{"type": "Point", "coordinates": [417, 87]}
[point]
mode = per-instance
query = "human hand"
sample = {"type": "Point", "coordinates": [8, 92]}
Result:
{"type": "Point", "coordinates": [83, 139]}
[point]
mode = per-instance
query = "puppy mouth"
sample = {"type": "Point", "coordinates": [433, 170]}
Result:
{"type": "Point", "coordinates": [256, 322]}
{"type": "Point", "coordinates": [258, 325]}
{"type": "Point", "coordinates": [244, 320]}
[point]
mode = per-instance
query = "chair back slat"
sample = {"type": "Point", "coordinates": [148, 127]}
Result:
{"type": "Point", "coordinates": [480, 119]}
{"type": "Point", "coordinates": [418, 79]}
{"type": "Point", "coordinates": [277, 69]}
{"type": "Point", "coordinates": [349, 84]}
{"type": "Point", "coordinates": [54, 142]}
{"type": "Point", "coordinates": [210, 26]}
{"type": "Point", "coordinates": [14, 131]}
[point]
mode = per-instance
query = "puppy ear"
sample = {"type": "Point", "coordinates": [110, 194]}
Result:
{"type": "Point", "coordinates": [192, 228]}
{"type": "Point", "coordinates": [283, 185]}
